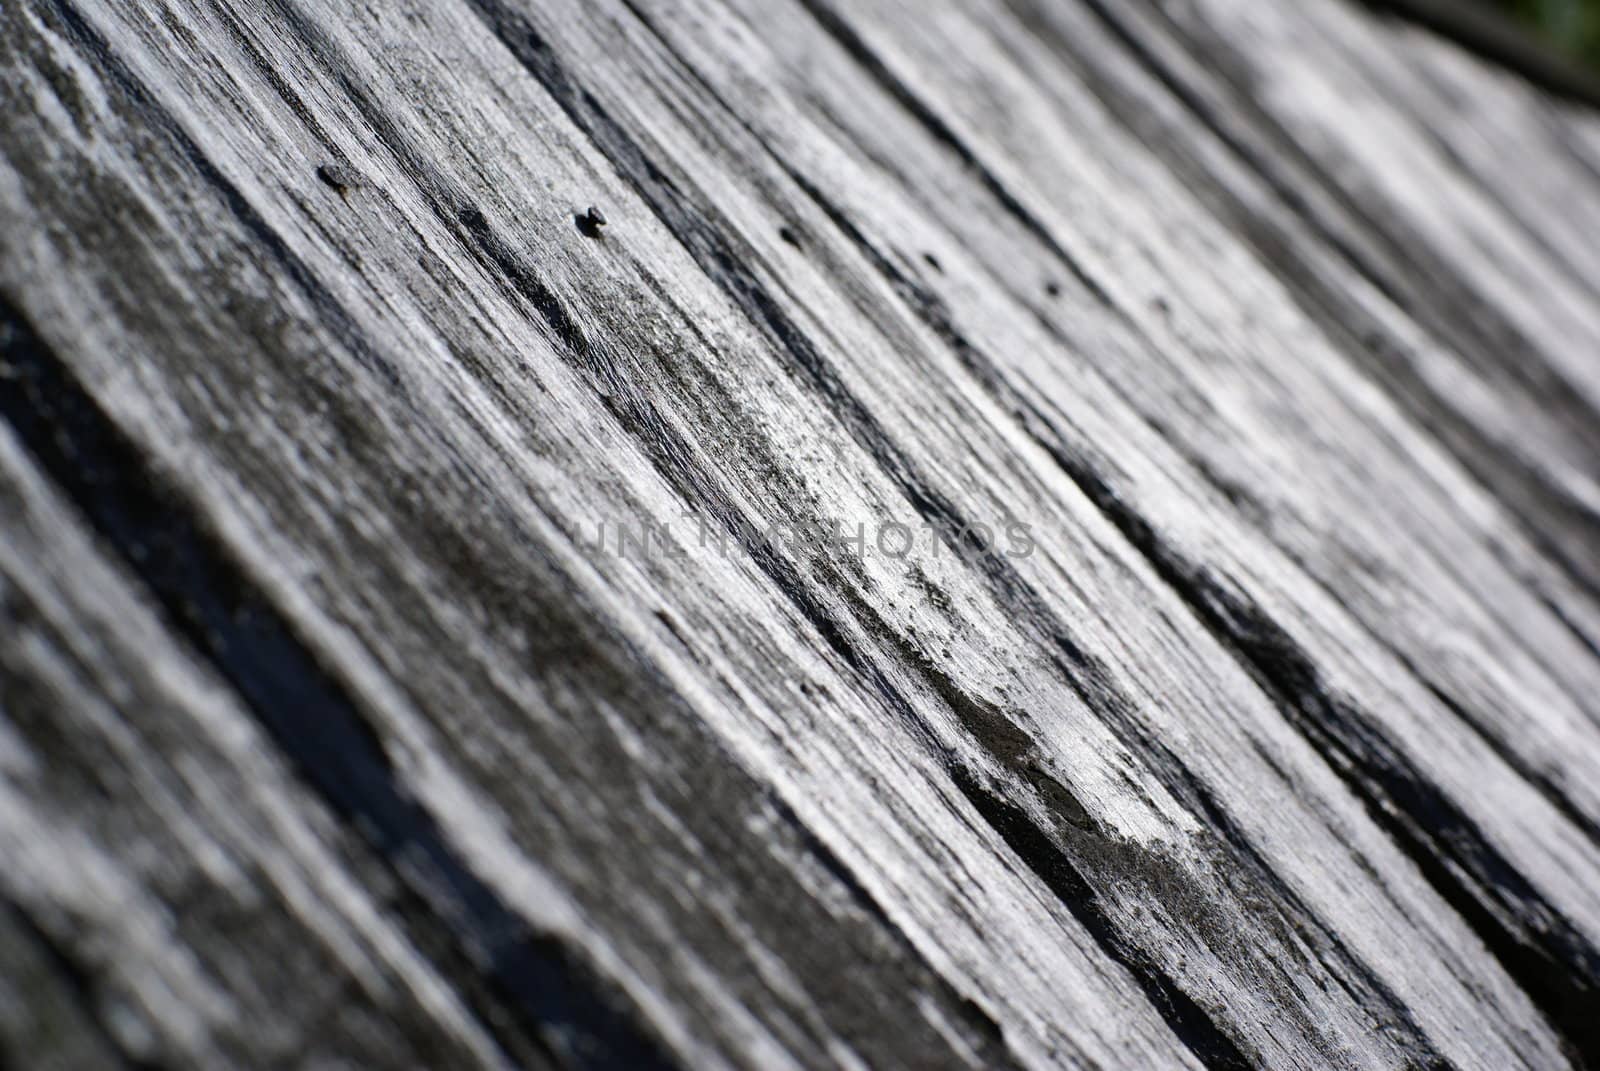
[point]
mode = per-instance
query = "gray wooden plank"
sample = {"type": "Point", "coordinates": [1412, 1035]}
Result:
{"type": "Point", "coordinates": [1264, 735]}
{"type": "Point", "coordinates": [163, 867]}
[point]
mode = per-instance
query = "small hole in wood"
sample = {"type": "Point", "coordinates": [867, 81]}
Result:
{"type": "Point", "coordinates": [590, 221]}
{"type": "Point", "coordinates": [339, 177]}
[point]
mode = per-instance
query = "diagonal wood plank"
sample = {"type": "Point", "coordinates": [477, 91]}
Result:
{"type": "Point", "coordinates": [1032, 534]}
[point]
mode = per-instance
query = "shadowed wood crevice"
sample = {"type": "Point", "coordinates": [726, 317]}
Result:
{"type": "Point", "coordinates": [553, 1005]}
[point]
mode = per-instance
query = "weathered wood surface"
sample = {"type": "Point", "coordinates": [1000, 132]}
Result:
{"type": "Point", "coordinates": [328, 737]}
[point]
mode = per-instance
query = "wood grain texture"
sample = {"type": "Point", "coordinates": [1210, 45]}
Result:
{"type": "Point", "coordinates": [1038, 533]}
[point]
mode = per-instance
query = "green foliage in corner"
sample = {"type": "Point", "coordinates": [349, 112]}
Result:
{"type": "Point", "coordinates": [1573, 25]}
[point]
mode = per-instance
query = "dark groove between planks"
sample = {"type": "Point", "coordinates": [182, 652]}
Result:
{"type": "Point", "coordinates": [544, 1000]}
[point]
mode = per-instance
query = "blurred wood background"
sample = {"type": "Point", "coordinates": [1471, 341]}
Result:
{"type": "Point", "coordinates": [1036, 533]}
